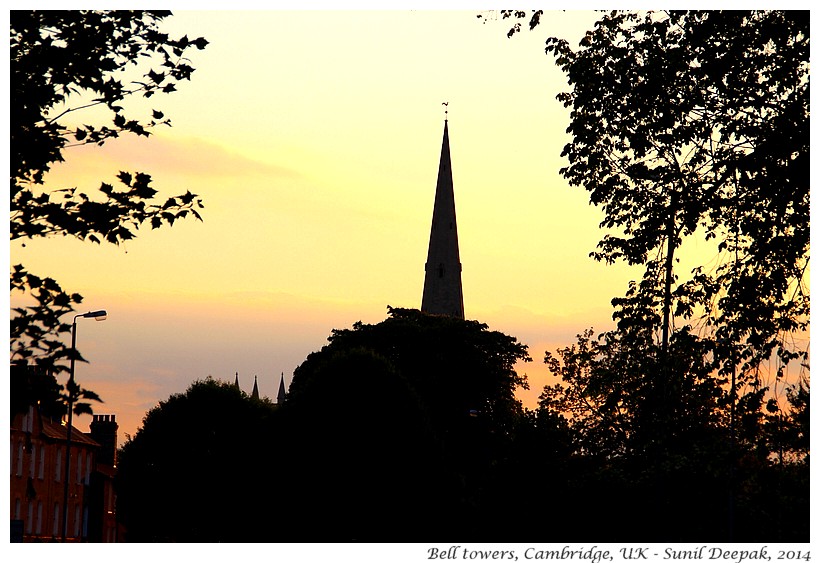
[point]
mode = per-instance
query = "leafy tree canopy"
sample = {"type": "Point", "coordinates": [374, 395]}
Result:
{"type": "Point", "coordinates": [459, 369]}
{"type": "Point", "coordinates": [697, 123]}
{"type": "Point", "coordinates": [691, 125]}
{"type": "Point", "coordinates": [67, 66]}
{"type": "Point", "coordinates": [199, 468]}
{"type": "Point", "coordinates": [414, 412]}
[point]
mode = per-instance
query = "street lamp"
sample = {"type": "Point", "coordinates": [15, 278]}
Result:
{"type": "Point", "coordinates": [98, 316]}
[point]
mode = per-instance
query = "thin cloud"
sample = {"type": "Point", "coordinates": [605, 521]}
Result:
{"type": "Point", "coordinates": [158, 155]}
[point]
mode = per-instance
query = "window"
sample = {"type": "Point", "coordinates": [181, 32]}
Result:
{"type": "Point", "coordinates": [77, 521]}
{"type": "Point", "coordinates": [42, 468]}
{"type": "Point", "coordinates": [17, 509]}
{"type": "Point", "coordinates": [39, 518]}
{"type": "Point", "coordinates": [57, 464]}
{"type": "Point", "coordinates": [32, 461]}
{"type": "Point", "coordinates": [20, 458]}
{"type": "Point", "coordinates": [80, 455]}
{"type": "Point", "coordinates": [55, 530]}
{"type": "Point", "coordinates": [88, 468]}
{"type": "Point", "coordinates": [30, 519]}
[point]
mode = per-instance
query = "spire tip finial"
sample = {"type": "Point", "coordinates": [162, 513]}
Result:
{"type": "Point", "coordinates": [445, 104]}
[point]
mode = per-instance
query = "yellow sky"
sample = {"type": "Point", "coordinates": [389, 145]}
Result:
{"type": "Point", "coordinates": [313, 139]}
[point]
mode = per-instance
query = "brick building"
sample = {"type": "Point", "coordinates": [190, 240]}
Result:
{"type": "Point", "coordinates": [38, 451]}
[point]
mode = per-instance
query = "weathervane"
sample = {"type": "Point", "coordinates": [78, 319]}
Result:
{"type": "Point", "coordinates": [445, 104]}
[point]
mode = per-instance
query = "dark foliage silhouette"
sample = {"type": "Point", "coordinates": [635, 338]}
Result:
{"type": "Point", "coordinates": [400, 431]}
{"type": "Point", "coordinates": [696, 124]}
{"type": "Point", "coordinates": [200, 469]}
{"type": "Point", "coordinates": [692, 125]}
{"type": "Point", "coordinates": [362, 463]}
{"type": "Point", "coordinates": [377, 441]}
{"type": "Point", "coordinates": [29, 385]}
{"type": "Point", "coordinates": [418, 412]}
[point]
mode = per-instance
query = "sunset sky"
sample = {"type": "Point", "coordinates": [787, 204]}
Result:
{"type": "Point", "coordinates": [313, 139]}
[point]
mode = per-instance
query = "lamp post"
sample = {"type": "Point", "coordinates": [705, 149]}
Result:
{"type": "Point", "coordinates": [99, 316]}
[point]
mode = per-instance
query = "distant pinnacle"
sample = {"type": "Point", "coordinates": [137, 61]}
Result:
{"type": "Point", "coordinates": [255, 392]}
{"type": "Point", "coordinates": [280, 397]}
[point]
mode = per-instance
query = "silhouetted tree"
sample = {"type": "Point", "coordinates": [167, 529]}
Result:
{"type": "Point", "coordinates": [63, 62]}
{"type": "Point", "coordinates": [360, 460]}
{"type": "Point", "coordinates": [200, 469]}
{"type": "Point", "coordinates": [786, 430]}
{"type": "Point", "coordinates": [665, 453]}
{"type": "Point", "coordinates": [691, 125]}
{"type": "Point", "coordinates": [608, 397]}
{"type": "Point", "coordinates": [672, 456]}
{"type": "Point", "coordinates": [29, 385]}
{"type": "Point", "coordinates": [696, 123]}
{"type": "Point", "coordinates": [405, 426]}
{"type": "Point", "coordinates": [32, 385]}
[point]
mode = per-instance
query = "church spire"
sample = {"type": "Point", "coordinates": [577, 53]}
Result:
{"type": "Point", "coordinates": [442, 279]}
{"type": "Point", "coordinates": [255, 392]}
{"type": "Point", "coordinates": [280, 397]}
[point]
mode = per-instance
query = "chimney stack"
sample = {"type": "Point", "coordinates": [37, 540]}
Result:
{"type": "Point", "coordinates": [104, 431]}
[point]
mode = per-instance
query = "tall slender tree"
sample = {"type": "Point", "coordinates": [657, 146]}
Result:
{"type": "Point", "coordinates": [695, 124]}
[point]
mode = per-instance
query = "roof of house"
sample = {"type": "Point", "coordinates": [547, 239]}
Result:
{"type": "Point", "coordinates": [54, 430]}
{"type": "Point", "coordinates": [58, 432]}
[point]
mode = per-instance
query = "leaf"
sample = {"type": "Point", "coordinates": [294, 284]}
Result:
{"type": "Point", "coordinates": [90, 395]}
{"type": "Point", "coordinates": [83, 408]}
{"type": "Point", "coordinates": [125, 178]}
